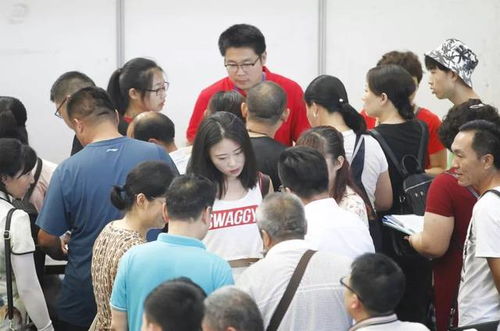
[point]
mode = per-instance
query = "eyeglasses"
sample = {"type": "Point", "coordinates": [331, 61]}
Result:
{"type": "Point", "coordinates": [160, 90]}
{"type": "Point", "coordinates": [58, 110]}
{"type": "Point", "coordinates": [343, 283]}
{"type": "Point", "coordinates": [233, 67]}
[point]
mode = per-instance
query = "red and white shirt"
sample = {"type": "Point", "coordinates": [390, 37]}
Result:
{"type": "Point", "coordinates": [233, 232]}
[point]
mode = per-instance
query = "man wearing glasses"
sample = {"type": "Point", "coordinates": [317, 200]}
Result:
{"type": "Point", "coordinates": [243, 47]}
{"type": "Point", "coordinates": [372, 292]}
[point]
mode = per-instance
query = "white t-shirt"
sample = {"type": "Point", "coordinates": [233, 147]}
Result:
{"type": "Point", "coordinates": [233, 232]}
{"type": "Point", "coordinates": [42, 185]}
{"type": "Point", "coordinates": [333, 229]}
{"type": "Point", "coordinates": [318, 303]}
{"type": "Point", "coordinates": [181, 158]}
{"type": "Point", "coordinates": [478, 298]}
{"type": "Point", "coordinates": [375, 161]}
{"type": "Point", "coordinates": [387, 323]}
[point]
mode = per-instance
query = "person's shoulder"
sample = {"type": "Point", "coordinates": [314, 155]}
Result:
{"type": "Point", "coordinates": [284, 82]}
{"type": "Point", "coordinates": [489, 199]}
{"type": "Point", "coordinates": [428, 117]}
{"type": "Point", "coordinates": [220, 85]}
{"type": "Point", "coordinates": [332, 260]}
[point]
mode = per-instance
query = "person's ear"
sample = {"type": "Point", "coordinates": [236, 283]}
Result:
{"type": "Point", "coordinates": [134, 94]}
{"type": "Point", "coordinates": [384, 99]}
{"type": "Point", "coordinates": [488, 161]}
{"type": "Point", "coordinates": [266, 239]}
{"type": "Point", "coordinates": [244, 110]}
{"type": "Point", "coordinates": [140, 200]}
{"type": "Point", "coordinates": [164, 213]}
{"type": "Point", "coordinates": [154, 141]}
{"type": "Point", "coordinates": [263, 58]}
{"type": "Point", "coordinates": [340, 162]}
{"type": "Point", "coordinates": [77, 125]}
{"type": "Point", "coordinates": [284, 116]}
{"type": "Point", "coordinates": [452, 76]}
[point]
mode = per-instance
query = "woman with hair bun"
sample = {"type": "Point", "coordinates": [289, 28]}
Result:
{"type": "Point", "coordinates": [137, 87]}
{"type": "Point", "coordinates": [141, 199]}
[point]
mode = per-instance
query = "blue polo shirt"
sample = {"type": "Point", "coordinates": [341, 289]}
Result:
{"type": "Point", "coordinates": [146, 266]}
{"type": "Point", "coordinates": [78, 199]}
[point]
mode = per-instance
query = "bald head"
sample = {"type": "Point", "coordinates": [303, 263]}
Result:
{"type": "Point", "coordinates": [152, 125]}
{"type": "Point", "coordinates": [266, 102]}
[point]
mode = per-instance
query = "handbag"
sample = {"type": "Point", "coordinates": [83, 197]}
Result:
{"type": "Point", "coordinates": [290, 290]}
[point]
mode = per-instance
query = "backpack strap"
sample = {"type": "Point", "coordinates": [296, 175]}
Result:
{"type": "Point", "coordinates": [264, 183]}
{"type": "Point", "coordinates": [38, 171]}
{"type": "Point", "coordinates": [8, 266]}
{"type": "Point", "coordinates": [388, 151]}
{"type": "Point", "coordinates": [287, 297]}
{"type": "Point", "coordinates": [424, 137]}
{"type": "Point", "coordinates": [492, 191]}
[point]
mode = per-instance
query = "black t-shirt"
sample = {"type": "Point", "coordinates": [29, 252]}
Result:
{"type": "Point", "coordinates": [76, 146]}
{"type": "Point", "coordinates": [267, 152]}
{"type": "Point", "coordinates": [403, 139]}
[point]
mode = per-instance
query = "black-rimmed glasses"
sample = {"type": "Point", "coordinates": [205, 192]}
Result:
{"type": "Point", "coordinates": [159, 90]}
{"type": "Point", "coordinates": [58, 110]}
{"type": "Point", "coordinates": [233, 67]}
{"type": "Point", "coordinates": [343, 283]}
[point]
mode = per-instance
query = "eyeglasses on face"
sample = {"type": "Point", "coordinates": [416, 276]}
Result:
{"type": "Point", "coordinates": [343, 283]}
{"type": "Point", "coordinates": [233, 67]}
{"type": "Point", "coordinates": [162, 89]}
{"type": "Point", "coordinates": [58, 110]}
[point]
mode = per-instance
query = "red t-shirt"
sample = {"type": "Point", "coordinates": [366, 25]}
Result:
{"type": "Point", "coordinates": [446, 198]}
{"type": "Point", "coordinates": [433, 123]}
{"type": "Point", "coordinates": [288, 132]}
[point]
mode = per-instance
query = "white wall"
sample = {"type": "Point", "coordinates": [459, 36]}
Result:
{"type": "Point", "coordinates": [43, 39]}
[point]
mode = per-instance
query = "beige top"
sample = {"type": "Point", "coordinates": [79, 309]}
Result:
{"type": "Point", "coordinates": [109, 247]}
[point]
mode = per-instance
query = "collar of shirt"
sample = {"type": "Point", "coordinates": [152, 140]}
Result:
{"type": "Point", "coordinates": [180, 240]}
{"type": "Point", "coordinates": [386, 319]}
{"type": "Point", "coordinates": [4, 196]}
{"type": "Point", "coordinates": [321, 204]}
{"type": "Point", "coordinates": [288, 245]}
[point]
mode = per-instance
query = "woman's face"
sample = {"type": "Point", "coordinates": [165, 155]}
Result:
{"type": "Point", "coordinates": [18, 185]}
{"type": "Point", "coordinates": [154, 100]}
{"type": "Point", "coordinates": [228, 157]}
{"type": "Point", "coordinates": [371, 102]}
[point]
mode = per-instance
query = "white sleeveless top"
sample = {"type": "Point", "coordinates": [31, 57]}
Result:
{"type": "Point", "coordinates": [233, 232]}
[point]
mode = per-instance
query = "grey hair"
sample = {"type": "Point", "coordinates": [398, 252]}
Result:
{"type": "Point", "coordinates": [231, 307]}
{"type": "Point", "coordinates": [282, 216]}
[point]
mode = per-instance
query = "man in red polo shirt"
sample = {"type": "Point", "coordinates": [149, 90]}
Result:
{"type": "Point", "coordinates": [243, 47]}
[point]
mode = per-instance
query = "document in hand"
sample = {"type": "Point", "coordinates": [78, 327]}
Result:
{"type": "Point", "coordinates": [409, 224]}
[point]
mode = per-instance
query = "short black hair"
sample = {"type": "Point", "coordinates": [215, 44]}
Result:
{"type": "Point", "coordinates": [431, 64]}
{"type": "Point", "coordinates": [176, 305]}
{"type": "Point", "coordinates": [15, 157]}
{"type": "Point", "coordinates": [13, 118]}
{"type": "Point", "coordinates": [396, 82]}
{"type": "Point", "coordinates": [67, 84]}
{"type": "Point", "coordinates": [242, 35]}
{"type": "Point", "coordinates": [92, 103]}
{"type": "Point", "coordinates": [212, 130]}
{"type": "Point", "coordinates": [303, 170]}
{"type": "Point", "coordinates": [465, 112]}
{"type": "Point", "coordinates": [407, 60]}
{"type": "Point", "coordinates": [229, 101]}
{"type": "Point", "coordinates": [486, 139]}
{"type": "Point", "coordinates": [378, 281]}
{"type": "Point", "coordinates": [188, 196]}
{"type": "Point", "coordinates": [136, 73]}
{"type": "Point", "coordinates": [154, 125]}
{"type": "Point", "coordinates": [150, 178]}
{"type": "Point", "coordinates": [266, 102]}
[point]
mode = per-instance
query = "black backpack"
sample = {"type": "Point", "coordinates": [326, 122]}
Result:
{"type": "Point", "coordinates": [412, 195]}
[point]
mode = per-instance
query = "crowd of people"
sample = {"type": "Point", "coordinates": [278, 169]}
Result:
{"type": "Point", "coordinates": [271, 217]}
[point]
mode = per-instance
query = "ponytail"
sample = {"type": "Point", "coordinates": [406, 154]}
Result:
{"type": "Point", "coordinates": [119, 101]}
{"type": "Point", "coordinates": [120, 199]}
{"type": "Point", "coordinates": [352, 118]}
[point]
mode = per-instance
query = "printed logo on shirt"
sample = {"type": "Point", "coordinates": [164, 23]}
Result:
{"type": "Point", "coordinates": [232, 217]}
{"type": "Point", "coordinates": [112, 150]}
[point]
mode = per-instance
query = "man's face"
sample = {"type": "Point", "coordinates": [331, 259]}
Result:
{"type": "Point", "coordinates": [470, 167]}
{"type": "Point", "coordinates": [441, 83]}
{"type": "Point", "coordinates": [244, 67]}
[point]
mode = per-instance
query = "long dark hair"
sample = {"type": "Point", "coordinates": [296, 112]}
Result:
{"type": "Point", "coordinates": [330, 93]}
{"type": "Point", "coordinates": [211, 131]}
{"type": "Point", "coordinates": [16, 157]}
{"type": "Point", "coordinates": [330, 142]}
{"type": "Point", "coordinates": [397, 84]}
{"type": "Point", "coordinates": [136, 73]}
{"type": "Point", "coordinates": [13, 118]}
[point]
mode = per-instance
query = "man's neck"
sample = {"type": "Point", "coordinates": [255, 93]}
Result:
{"type": "Point", "coordinates": [191, 229]}
{"type": "Point", "coordinates": [258, 129]}
{"type": "Point", "coordinates": [101, 132]}
{"type": "Point", "coordinates": [316, 197]}
{"type": "Point", "coordinates": [463, 94]}
{"type": "Point", "coordinates": [489, 182]}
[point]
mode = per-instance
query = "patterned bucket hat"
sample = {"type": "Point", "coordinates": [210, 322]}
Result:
{"type": "Point", "coordinates": [456, 56]}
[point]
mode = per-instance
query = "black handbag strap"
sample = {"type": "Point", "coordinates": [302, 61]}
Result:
{"type": "Point", "coordinates": [287, 297]}
{"type": "Point", "coordinates": [8, 266]}
{"type": "Point", "coordinates": [388, 151]}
